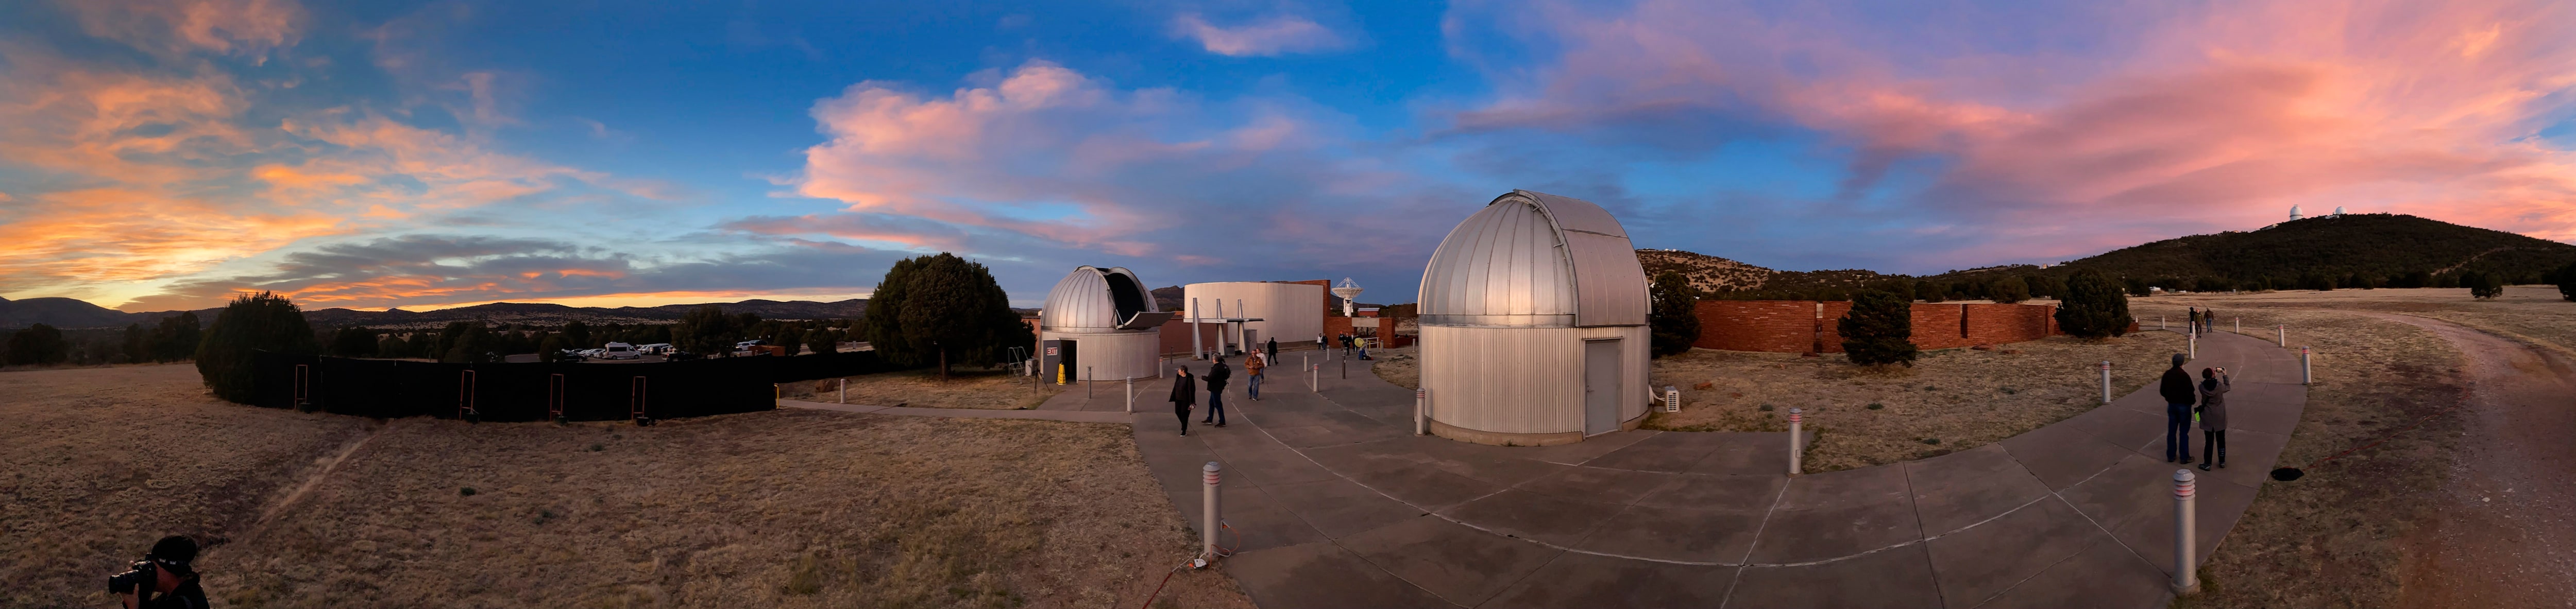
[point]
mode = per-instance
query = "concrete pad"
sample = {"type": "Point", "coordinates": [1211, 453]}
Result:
{"type": "Point", "coordinates": [1462, 565]}
{"type": "Point", "coordinates": [1966, 487]}
{"type": "Point", "coordinates": [1667, 452]}
{"type": "Point", "coordinates": [1301, 416]}
{"type": "Point", "coordinates": [1978, 563]}
{"type": "Point", "coordinates": [1583, 580]}
{"type": "Point", "coordinates": [1746, 454]}
{"type": "Point", "coordinates": [1311, 436]}
{"type": "Point", "coordinates": [2105, 575]}
{"type": "Point", "coordinates": [1533, 516]}
{"type": "Point", "coordinates": [2150, 533]}
{"type": "Point", "coordinates": [2132, 500]}
{"type": "Point", "coordinates": [1427, 488]}
{"type": "Point", "coordinates": [1900, 577]}
{"type": "Point", "coordinates": [1838, 514]}
{"type": "Point", "coordinates": [1268, 467]}
{"type": "Point", "coordinates": [1257, 520]}
{"type": "Point", "coordinates": [1580, 452]}
{"type": "Point", "coordinates": [1596, 484]}
{"type": "Point", "coordinates": [1737, 493]}
{"type": "Point", "coordinates": [2120, 427]}
{"type": "Point", "coordinates": [1489, 465]}
{"type": "Point", "coordinates": [2061, 455]}
{"type": "Point", "coordinates": [1321, 575]}
{"type": "Point", "coordinates": [1668, 533]}
{"type": "Point", "coordinates": [1177, 471]}
{"type": "Point", "coordinates": [1339, 508]}
{"type": "Point", "coordinates": [1241, 436]}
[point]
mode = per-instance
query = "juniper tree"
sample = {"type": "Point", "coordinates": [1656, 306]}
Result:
{"type": "Point", "coordinates": [1674, 325]}
{"type": "Point", "coordinates": [1879, 329]}
{"type": "Point", "coordinates": [2093, 307]}
{"type": "Point", "coordinates": [264, 321]}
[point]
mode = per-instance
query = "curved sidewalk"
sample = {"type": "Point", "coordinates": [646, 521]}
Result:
{"type": "Point", "coordinates": [1339, 505]}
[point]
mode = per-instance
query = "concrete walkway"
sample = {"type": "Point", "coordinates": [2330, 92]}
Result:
{"type": "Point", "coordinates": [1337, 504]}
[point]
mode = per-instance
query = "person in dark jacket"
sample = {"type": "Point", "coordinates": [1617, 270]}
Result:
{"type": "Point", "coordinates": [2180, 395]}
{"type": "Point", "coordinates": [2214, 385]}
{"type": "Point", "coordinates": [1185, 393]}
{"type": "Point", "coordinates": [1272, 350]}
{"type": "Point", "coordinates": [1216, 376]}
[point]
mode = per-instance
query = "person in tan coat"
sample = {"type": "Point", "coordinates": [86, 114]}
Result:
{"type": "Point", "coordinates": [1252, 365]}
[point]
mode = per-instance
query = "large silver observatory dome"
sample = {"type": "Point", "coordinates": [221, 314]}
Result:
{"type": "Point", "coordinates": [1532, 259]}
{"type": "Point", "coordinates": [1097, 300]}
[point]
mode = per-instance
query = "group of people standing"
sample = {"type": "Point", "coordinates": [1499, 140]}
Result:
{"type": "Point", "coordinates": [1185, 386]}
{"type": "Point", "coordinates": [2187, 402]}
{"type": "Point", "coordinates": [2203, 321]}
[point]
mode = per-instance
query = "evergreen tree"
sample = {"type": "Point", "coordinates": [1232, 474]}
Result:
{"type": "Point", "coordinates": [552, 347]}
{"type": "Point", "coordinates": [353, 342]}
{"type": "Point", "coordinates": [881, 323]}
{"type": "Point", "coordinates": [253, 322]}
{"type": "Point", "coordinates": [577, 335]}
{"type": "Point", "coordinates": [393, 347]}
{"type": "Point", "coordinates": [2044, 286]}
{"type": "Point", "coordinates": [2483, 285]}
{"type": "Point", "coordinates": [1879, 330]}
{"type": "Point", "coordinates": [471, 343]}
{"type": "Point", "coordinates": [707, 331]}
{"type": "Point", "coordinates": [2008, 290]}
{"type": "Point", "coordinates": [1674, 325]}
{"type": "Point", "coordinates": [825, 340]}
{"type": "Point", "coordinates": [953, 310]}
{"type": "Point", "coordinates": [1928, 291]}
{"type": "Point", "coordinates": [176, 337]}
{"type": "Point", "coordinates": [2093, 308]}
{"type": "Point", "coordinates": [2567, 281]}
{"type": "Point", "coordinates": [137, 343]}
{"type": "Point", "coordinates": [38, 345]}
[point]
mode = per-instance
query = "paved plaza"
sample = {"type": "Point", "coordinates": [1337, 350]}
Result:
{"type": "Point", "coordinates": [1337, 504]}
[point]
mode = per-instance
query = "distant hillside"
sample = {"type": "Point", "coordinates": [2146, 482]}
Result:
{"type": "Point", "coordinates": [2376, 246]}
{"type": "Point", "coordinates": [1723, 278]}
{"type": "Point", "coordinates": [69, 313]}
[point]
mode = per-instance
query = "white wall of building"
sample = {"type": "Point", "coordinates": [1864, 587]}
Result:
{"type": "Point", "coordinates": [1290, 312]}
{"type": "Point", "coordinates": [1110, 355]}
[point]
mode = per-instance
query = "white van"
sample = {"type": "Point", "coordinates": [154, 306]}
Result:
{"type": "Point", "coordinates": [619, 351]}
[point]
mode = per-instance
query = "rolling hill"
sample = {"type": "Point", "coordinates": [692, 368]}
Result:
{"type": "Point", "coordinates": [73, 314]}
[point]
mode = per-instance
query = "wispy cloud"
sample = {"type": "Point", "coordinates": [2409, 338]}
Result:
{"type": "Point", "coordinates": [1276, 35]}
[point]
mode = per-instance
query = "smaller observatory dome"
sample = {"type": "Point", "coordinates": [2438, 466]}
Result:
{"type": "Point", "coordinates": [1535, 260]}
{"type": "Point", "coordinates": [2294, 212]}
{"type": "Point", "coordinates": [1097, 300]}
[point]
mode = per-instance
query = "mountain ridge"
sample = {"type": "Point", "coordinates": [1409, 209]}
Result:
{"type": "Point", "coordinates": [68, 313]}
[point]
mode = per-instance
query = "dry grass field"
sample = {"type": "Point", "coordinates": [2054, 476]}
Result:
{"type": "Point", "coordinates": [770, 509]}
{"type": "Point", "coordinates": [999, 390]}
{"type": "Point", "coordinates": [1950, 400]}
{"type": "Point", "coordinates": [2336, 538]}
{"type": "Point", "coordinates": [2531, 314]}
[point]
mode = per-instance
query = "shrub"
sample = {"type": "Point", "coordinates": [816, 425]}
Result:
{"type": "Point", "coordinates": [1675, 322]}
{"type": "Point", "coordinates": [38, 345]}
{"type": "Point", "coordinates": [2567, 281]}
{"type": "Point", "coordinates": [1927, 291]}
{"type": "Point", "coordinates": [2483, 285]}
{"type": "Point", "coordinates": [2008, 290]}
{"type": "Point", "coordinates": [954, 307]}
{"type": "Point", "coordinates": [353, 342]}
{"type": "Point", "coordinates": [2094, 308]}
{"type": "Point", "coordinates": [176, 337]}
{"type": "Point", "coordinates": [1879, 330]}
{"type": "Point", "coordinates": [252, 323]}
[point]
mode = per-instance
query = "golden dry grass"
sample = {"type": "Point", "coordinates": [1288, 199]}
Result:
{"type": "Point", "coordinates": [1964, 398]}
{"type": "Point", "coordinates": [2335, 537]}
{"type": "Point", "coordinates": [999, 390]}
{"type": "Point", "coordinates": [2532, 314]}
{"type": "Point", "coordinates": [770, 509]}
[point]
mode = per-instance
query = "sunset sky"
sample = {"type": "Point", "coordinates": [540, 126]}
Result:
{"type": "Point", "coordinates": [165, 154]}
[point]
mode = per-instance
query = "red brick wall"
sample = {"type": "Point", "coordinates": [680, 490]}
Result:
{"type": "Point", "coordinates": [1176, 336]}
{"type": "Point", "coordinates": [1795, 326]}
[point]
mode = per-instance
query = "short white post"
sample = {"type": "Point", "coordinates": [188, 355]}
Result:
{"type": "Point", "coordinates": [2285, 334]}
{"type": "Point", "coordinates": [1420, 404]}
{"type": "Point", "coordinates": [2307, 375]}
{"type": "Point", "coordinates": [2106, 381]}
{"type": "Point", "coordinates": [2185, 582]}
{"type": "Point", "coordinates": [1086, 382]}
{"type": "Point", "coordinates": [2240, 325]}
{"type": "Point", "coordinates": [1130, 389]}
{"type": "Point", "coordinates": [2195, 346]}
{"type": "Point", "coordinates": [2160, 322]}
{"type": "Point", "coordinates": [1208, 507]}
{"type": "Point", "coordinates": [845, 390]}
{"type": "Point", "coordinates": [1794, 438]}
{"type": "Point", "coordinates": [1672, 399]}
{"type": "Point", "coordinates": [1346, 368]}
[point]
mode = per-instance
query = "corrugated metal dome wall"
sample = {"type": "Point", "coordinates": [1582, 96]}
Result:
{"type": "Point", "coordinates": [1535, 260]}
{"type": "Point", "coordinates": [1084, 300]}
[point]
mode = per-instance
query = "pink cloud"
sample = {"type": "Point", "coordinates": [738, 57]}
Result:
{"type": "Point", "coordinates": [2216, 116]}
{"type": "Point", "coordinates": [246, 27]}
{"type": "Point", "coordinates": [1280, 34]}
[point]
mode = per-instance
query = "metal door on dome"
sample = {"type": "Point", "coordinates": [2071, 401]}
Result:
{"type": "Point", "coordinates": [1600, 386]}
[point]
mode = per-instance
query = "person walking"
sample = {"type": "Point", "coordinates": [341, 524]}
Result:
{"type": "Point", "coordinates": [2214, 385]}
{"type": "Point", "coordinates": [1272, 349]}
{"type": "Point", "coordinates": [1185, 392]}
{"type": "Point", "coordinates": [2180, 395]}
{"type": "Point", "coordinates": [2193, 322]}
{"type": "Point", "coordinates": [1362, 343]}
{"type": "Point", "coordinates": [1216, 376]}
{"type": "Point", "coordinates": [1252, 366]}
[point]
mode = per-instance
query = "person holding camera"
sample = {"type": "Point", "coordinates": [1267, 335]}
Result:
{"type": "Point", "coordinates": [162, 579]}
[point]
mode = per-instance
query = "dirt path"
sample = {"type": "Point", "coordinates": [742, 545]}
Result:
{"type": "Point", "coordinates": [2509, 535]}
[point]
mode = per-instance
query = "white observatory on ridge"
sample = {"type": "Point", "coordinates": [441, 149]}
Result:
{"type": "Point", "coordinates": [1533, 317]}
{"type": "Point", "coordinates": [1100, 324]}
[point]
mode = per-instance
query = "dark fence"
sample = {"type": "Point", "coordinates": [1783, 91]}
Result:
{"type": "Point", "coordinates": [530, 392]}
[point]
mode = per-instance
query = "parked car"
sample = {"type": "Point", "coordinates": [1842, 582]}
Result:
{"type": "Point", "coordinates": [655, 348]}
{"type": "Point", "coordinates": [592, 353]}
{"type": "Point", "coordinates": [620, 351]}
